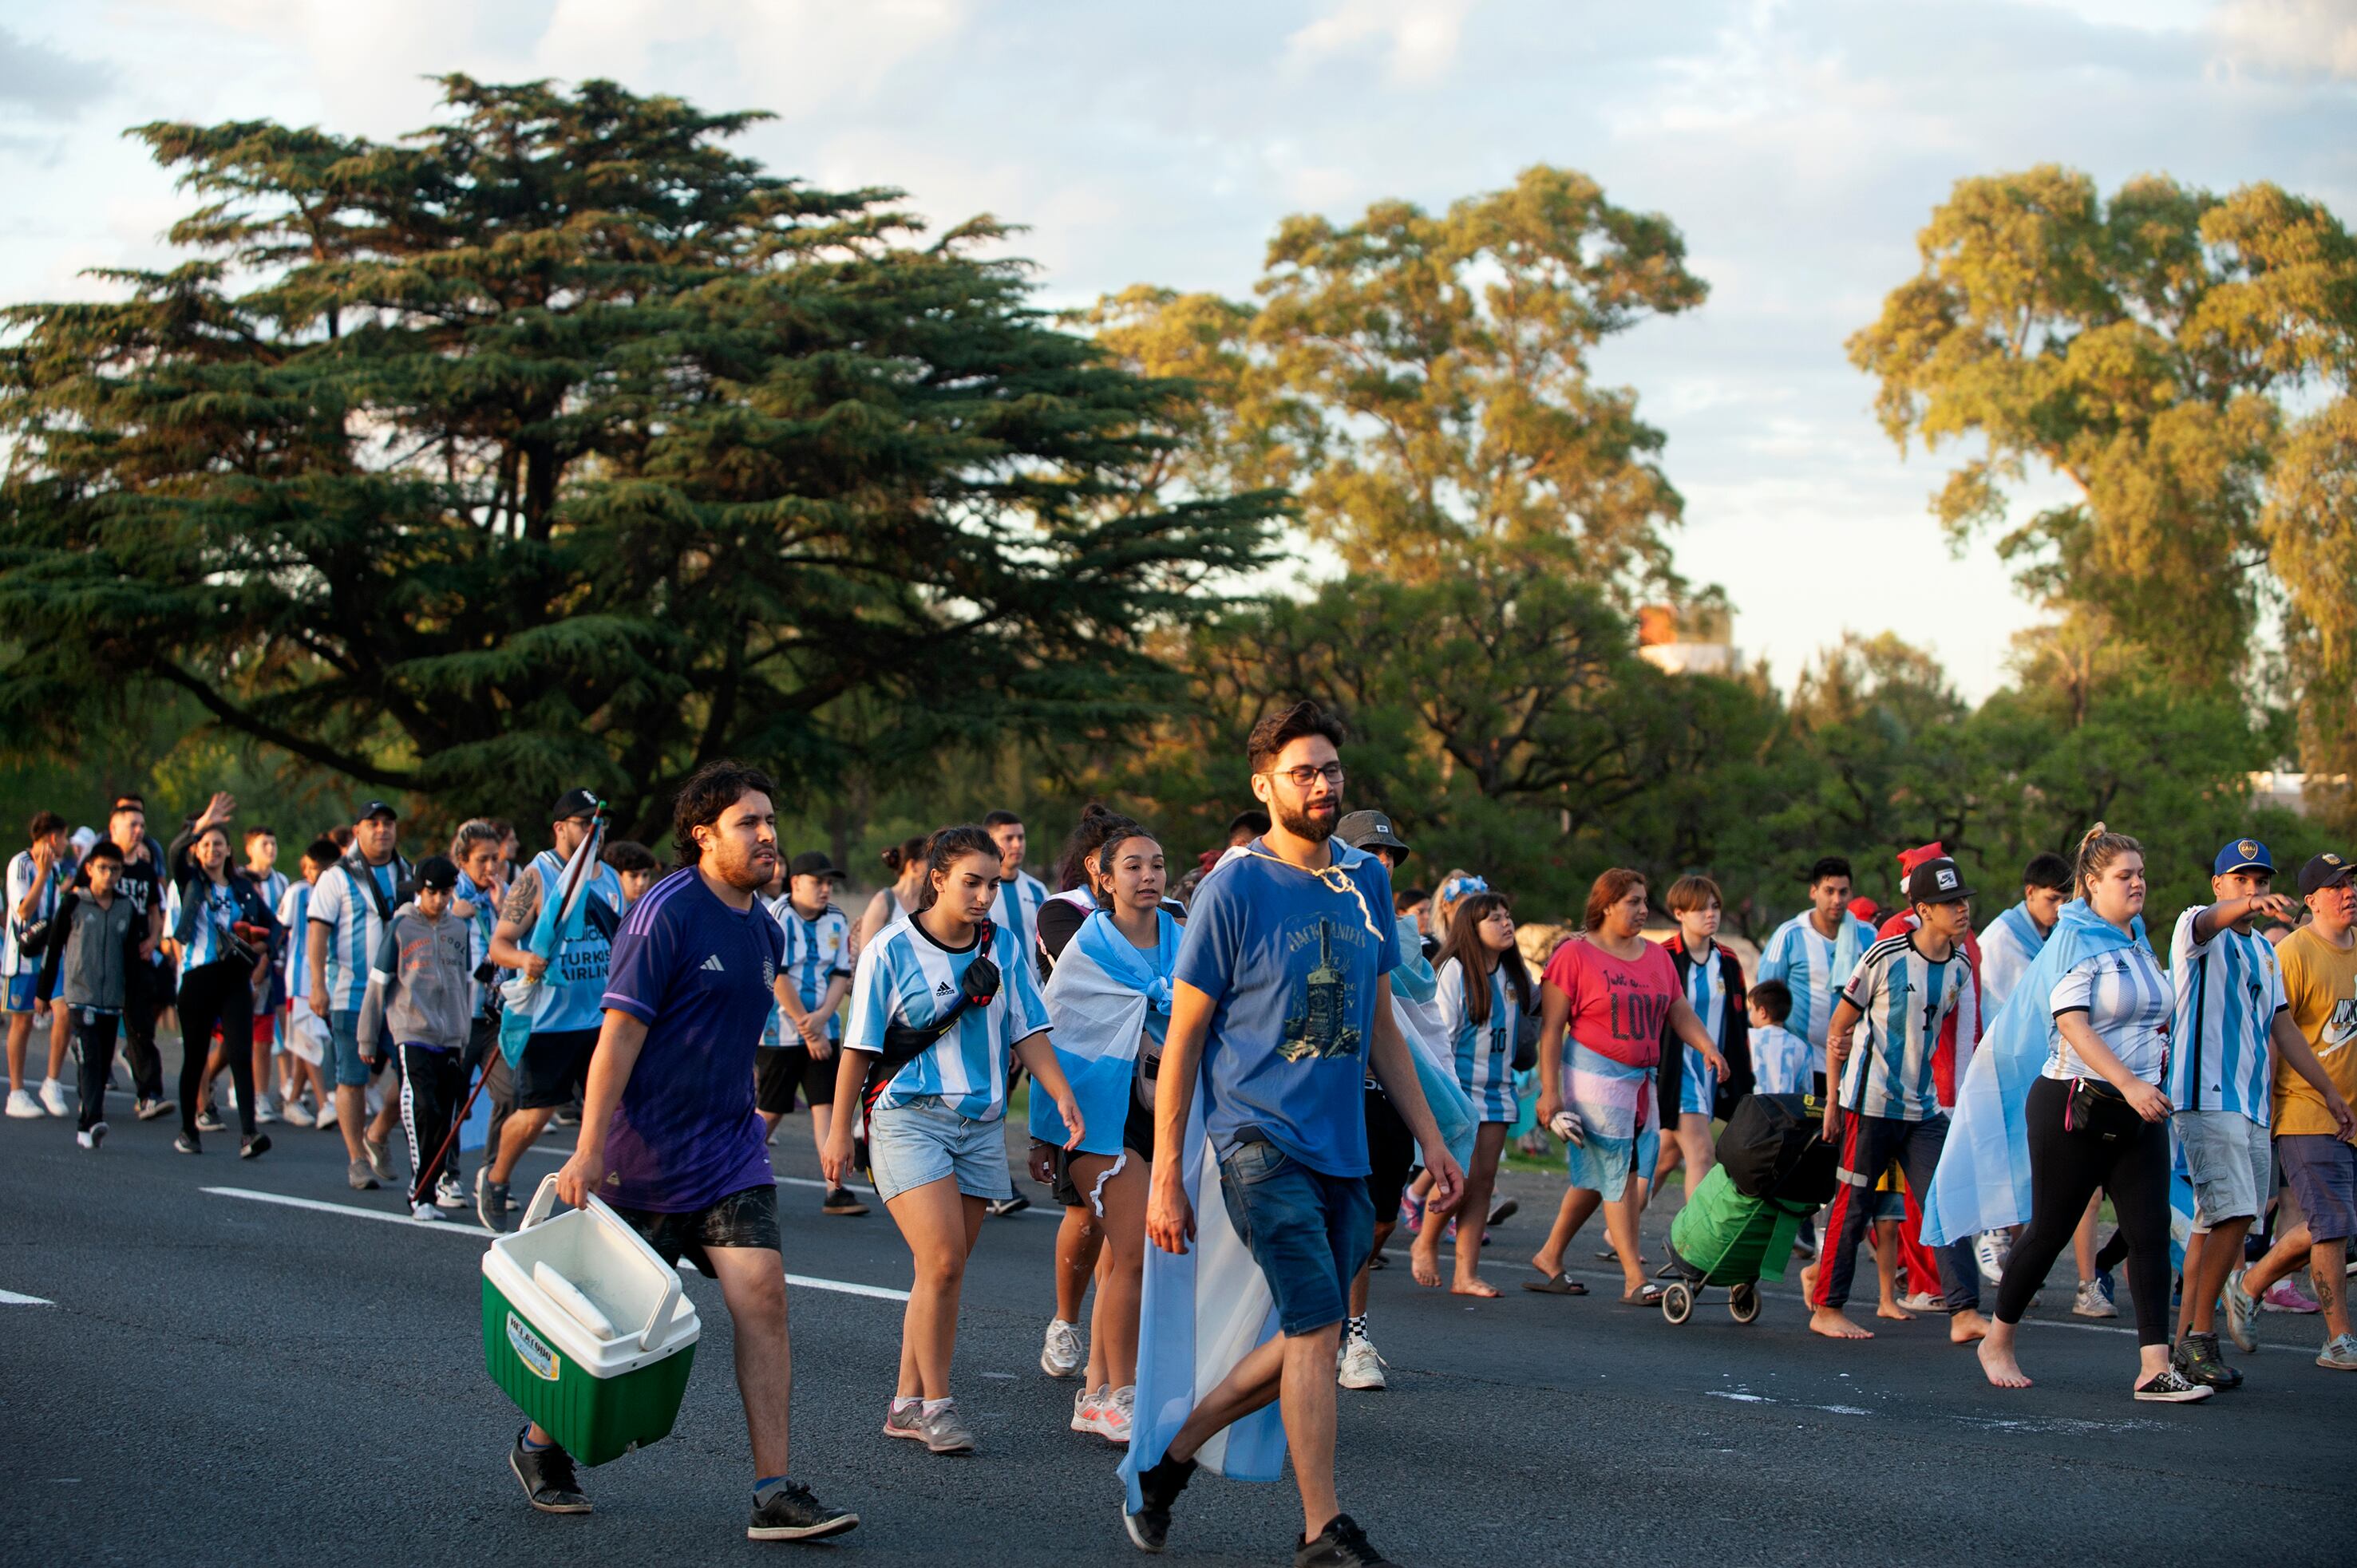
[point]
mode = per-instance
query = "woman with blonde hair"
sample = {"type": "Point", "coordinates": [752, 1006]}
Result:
{"type": "Point", "coordinates": [1610, 997]}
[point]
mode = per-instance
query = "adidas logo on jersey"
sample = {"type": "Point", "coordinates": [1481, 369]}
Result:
{"type": "Point", "coordinates": [943, 989]}
{"type": "Point", "coordinates": [714, 965]}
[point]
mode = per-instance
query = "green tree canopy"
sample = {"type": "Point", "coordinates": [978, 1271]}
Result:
{"type": "Point", "coordinates": [1422, 383]}
{"type": "Point", "coordinates": [555, 443]}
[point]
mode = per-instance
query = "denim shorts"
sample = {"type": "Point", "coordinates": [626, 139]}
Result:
{"type": "Point", "coordinates": [924, 1140]}
{"type": "Point", "coordinates": [2321, 1171]}
{"type": "Point", "coordinates": [344, 1029]}
{"type": "Point", "coordinates": [1309, 1232]}
{"type": "Point", "coordinates": [2229, 1162]}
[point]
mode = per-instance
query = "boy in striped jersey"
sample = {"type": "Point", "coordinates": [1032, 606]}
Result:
{"type": "Point", "coordinates": [2230, 1006]}
{"type": "Point", "coordinates": [1813, 952]}
{"type": "Point", "coordinates": [812, 979]}
{"type": "Point", "coordinates": [350, 905]}
{"type": "Point", "coordinates": [1016, 906]}
{"type": "Point", "coordinates": [1886, 1107]}
{"type": "Point", "coordinates": [35, 877]}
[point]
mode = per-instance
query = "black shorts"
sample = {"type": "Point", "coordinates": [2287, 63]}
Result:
{"type": "Point", "coordinates": [1391, 1156]}
{"type": "Point", "coordinates": [780, 1070]}
{"type": "Point", "coordinates": [553, 1068]}
{"type": "Point", "coordinates": [1137, 1135]}
{"type": "Point", "coordinates": [747, 1219]}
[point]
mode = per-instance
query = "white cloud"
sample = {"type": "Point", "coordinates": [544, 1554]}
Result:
{"type": "Point", "coordinates": [2291, 38]}
{"type": "Point", "coordinates": [1419, 38]}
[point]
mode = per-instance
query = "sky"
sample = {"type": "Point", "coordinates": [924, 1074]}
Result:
{"type": "Point", "coordinates": [1798, 147]}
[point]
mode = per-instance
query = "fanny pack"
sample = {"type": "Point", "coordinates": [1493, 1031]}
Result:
{"type": "Point", "coordinates": [2096, 1110]}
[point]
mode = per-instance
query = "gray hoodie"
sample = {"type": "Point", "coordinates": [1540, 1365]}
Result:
{"type": "Point", "coordinates": [420, 990]}
{"type": "Point", "coordinates": [96, 960]}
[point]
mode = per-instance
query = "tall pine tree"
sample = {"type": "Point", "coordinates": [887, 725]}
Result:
{"type": "Point", "coordinates": [555, 443]}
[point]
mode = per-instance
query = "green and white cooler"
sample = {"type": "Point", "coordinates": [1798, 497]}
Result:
{"type": "Point", "coordinates": [587, 1329]}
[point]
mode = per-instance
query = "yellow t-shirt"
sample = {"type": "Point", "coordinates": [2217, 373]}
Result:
{"type": "Point", "coordinates": [2321, 982]}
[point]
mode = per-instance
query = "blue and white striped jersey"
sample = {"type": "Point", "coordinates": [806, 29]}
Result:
{"type": "Point", "coordinates": [1813, 967]}
{"type": "Point", "coordinates": [295, 914]}
{"type": "Point", "coordinates": [354, 927]}
{"type": "Point", "coordinates": [202, 927]}
{"type": "Point", "coordinates": [21, 879]}
{"type": "Point", "coordinates": [2229, 990]}
{"type": "Point", "coordinates": [1484, 1053]}
{"type": "Point", "coordinates": [816, 951]}
{"type": "Point", "coordinates": [1904, 996]}
{"type": "Point", "coordinates": [1015, 907]}
{"type": "Point", "coordinates": [905, 976]}
{"type": "Point", "coordinates": [2128, 1001]}
{"type": "Point", "coordinates": [485, 903]}
{"type": "Point", "coordinates": [1780, 1061]}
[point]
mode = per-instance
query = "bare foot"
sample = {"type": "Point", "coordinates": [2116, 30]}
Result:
{"type": "Point", "coordinates": [1963, 1327]}
{"type": "Point", "coordinates": [1423, 1270]}
{"type": "Point", "coordinates": [2004, 1371]}
{"type": "Point", "coordinates": [1809, 1282]}
{"type": "Point", "coordinates": [1474, 1286]}
{"type": "Point", "coordinates": [1893, 1311]}
{"type": "Point", "coordinates": [1835, 1324]}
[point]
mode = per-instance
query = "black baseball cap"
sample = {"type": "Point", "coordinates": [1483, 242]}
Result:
{"type": "Point", "coordinates": [1370, 830]}
{"type": "Point", "coordinates": [375, 809]}
{"type": "Point", "coordinates": [1937, 882]}
{"type": "Point", "coordinates": [811, 862]}
{"type": "Point", "coordinates": [438, 872]}
{"type": "Point", "coordinates": [2327, 870]}
{"type": "Point", "coordinates": [573, 803]}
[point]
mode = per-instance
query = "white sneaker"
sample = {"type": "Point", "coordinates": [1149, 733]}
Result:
{"type": "Point", "coordinates": [423, 1211]}
{"type": "Point", "coordinates": [1991, 1248]}
{"type": "Point", "coordinates": [327, 1117]}
{"type": "Point", "coordinates": [53, 1097]}
{"type": "Point", "coordinates": [23, 1107]}
{"type": "Point", "coordinates": [263, 1111]}
{"type": "Point", "coordinates": [1361, 1366]}
{"type": "Point", "coordinates": [93, 1137]}
{"type": "Point", "coordinates": [1117, 1409]}
{"type": "Point", "coordinates": [1923, 1301]}
{"type": "Point", "coordinates": [1062, 1353]}
{"type": "Point", "coordinates": [2091, 1302]}
{"type": "Point", "coordinates": [1088, 1410]}
{"type": "Point", "coordinates": [298, 1114]}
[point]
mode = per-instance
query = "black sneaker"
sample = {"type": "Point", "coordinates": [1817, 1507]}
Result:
{"type": "Point", "coordinates": [547, 1476]}
{"type": "Point", "coordinates": [1341, 1544]}
{"type": "Point", "coordinates": [2169, 1386]}
{"type": "Point", "coordinates": [490, 1201]}
{"type": "Point", "coordinates": [841, 1201]}
{"type": "Point", "coordinates": [257, 1144]}
{"type": "Point", "coordinates": [2197, 1358]}
{"type": "Point", "coordinates": [1157, 1489]}
{"type": "Point", "coordinates": [791, 1513]}
{"type": "Point", "coordinates": [1000, 1208]}
{"type": "Point", "coordinates": [189, 1143]}
{"type": "Point", "coordinates": [208, 1120]}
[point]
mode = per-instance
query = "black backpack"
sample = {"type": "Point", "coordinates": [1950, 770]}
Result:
{"type": "Point", "coordinates": [1771, 1147]}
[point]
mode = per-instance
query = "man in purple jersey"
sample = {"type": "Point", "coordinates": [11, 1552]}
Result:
{"type": "Point", "coordinates": [669, 1134]}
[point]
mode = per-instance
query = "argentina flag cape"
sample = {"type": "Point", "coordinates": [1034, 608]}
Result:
{"type": "Point", "coordinates": [1203, 1311]}
{"type": "Point", "coordinates": [1100, 1001]}
{"type": "Point", "coordinates": [1983, 1179]}
{"type": "Point", "coordinates": [1428, 1046]}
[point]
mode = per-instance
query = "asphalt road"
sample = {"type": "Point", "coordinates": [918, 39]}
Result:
{"type": "Point", "coordinates": [212, 1378]}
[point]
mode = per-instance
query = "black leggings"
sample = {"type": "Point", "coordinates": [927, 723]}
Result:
{"type": "Point", "coordinates": [2065, 1170]}
{"type": "Point", "coordinates": [211, 996]}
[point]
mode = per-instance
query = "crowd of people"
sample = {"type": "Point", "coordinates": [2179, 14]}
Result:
{"type": "Point", "coordinates": [1240, 1083]}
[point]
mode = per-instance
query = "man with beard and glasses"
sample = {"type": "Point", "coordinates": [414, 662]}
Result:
{"type": "Point", "coordinates": [670, 1137]}
{"type": "Point", "coordinates": [1280, 998]}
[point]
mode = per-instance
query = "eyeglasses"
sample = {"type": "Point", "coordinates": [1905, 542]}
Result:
{"type": "Point", "coordinates": [1303, 777]}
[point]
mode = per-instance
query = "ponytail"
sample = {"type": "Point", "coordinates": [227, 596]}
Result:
{"type": "Point", "coordinates": [2098, 847]}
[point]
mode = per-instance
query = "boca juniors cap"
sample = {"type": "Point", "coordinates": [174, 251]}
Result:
{"type": "Point", "coordinates": [1370, 830]}
{"type": "Point", "coordinates": [2325, 871]}
{"type": "Point", "coordinates": [2242, 854]}
{"type": "Point", "coordinates": [1936, 882]}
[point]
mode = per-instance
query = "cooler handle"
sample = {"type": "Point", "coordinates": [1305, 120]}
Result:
{"type": "Point", "coordinates": [543, 1202]}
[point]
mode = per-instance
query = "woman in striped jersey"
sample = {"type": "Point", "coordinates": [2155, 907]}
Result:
{"type": "Point", "coordinates": [936, 1100]}
{"type": "Point", "coordinates": [1484, 988]}
{"type": "Point", "coordinates": [204, 915]}
{"type": "Point", "coordinates": [2097, 1115]}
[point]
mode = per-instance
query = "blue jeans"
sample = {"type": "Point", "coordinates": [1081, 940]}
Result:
{"type": "Point", "coordinates": [1309, 1232]}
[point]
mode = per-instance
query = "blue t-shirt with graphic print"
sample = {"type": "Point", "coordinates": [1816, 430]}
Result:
{"type": "Point", "coordinates": [1291, 961]}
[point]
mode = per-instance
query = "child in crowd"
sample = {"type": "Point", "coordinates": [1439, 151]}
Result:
{"type": "Point", "coordinates": [635, 864]}
{"type": "Point", "coordinates": [1780, 1065]}
{"type": "Point", "coordinates": [421, 993]}
{"type": "Point", "coordinates": [102, 932]}
{"type": "Point", "coordinates": [306, 1031]}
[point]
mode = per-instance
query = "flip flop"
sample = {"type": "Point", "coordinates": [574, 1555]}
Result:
{"type": "Point", "coordinates": [1555, 1284]}
{"type": "Point", "coordinates": [1643, 1295]}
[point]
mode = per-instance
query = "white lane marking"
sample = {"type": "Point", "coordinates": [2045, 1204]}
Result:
{"type": "Point", "coordinates": [10, 1298]}
{"type": "Point", "coordinates": [447, 1227]}
{"type": "Point", "coordinates": [453, 1228]}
